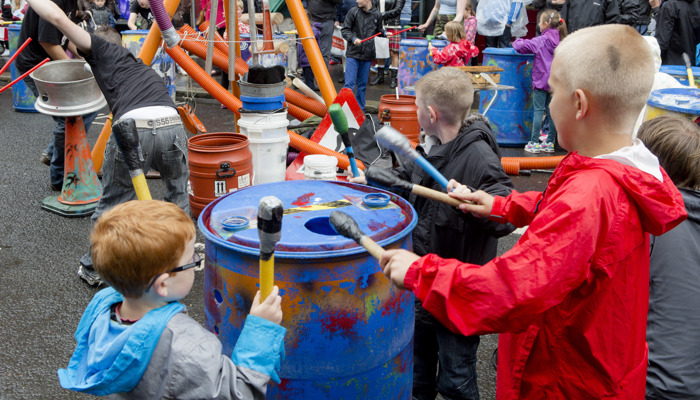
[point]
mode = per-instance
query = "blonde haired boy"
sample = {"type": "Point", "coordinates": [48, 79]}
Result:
{"type": "Point", "coordinates": [462, 147]}
{"type": "Point", "coordinates": [570, 298]}
{"type": "Point", "coordinates": [135, 340]}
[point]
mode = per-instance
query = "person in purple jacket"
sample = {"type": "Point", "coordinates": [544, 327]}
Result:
{"type": "Point", "coordinates": [553, 30]}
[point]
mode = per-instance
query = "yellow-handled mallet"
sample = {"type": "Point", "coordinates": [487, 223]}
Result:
{"type": "Point", "coordinates": [345, 225]}
{"type": "Point", "coordinates": [270, 212]}
{"type": "Point", "coordinates": [689, 69]}
{"type": "Point", "coordinates": [127, 137]}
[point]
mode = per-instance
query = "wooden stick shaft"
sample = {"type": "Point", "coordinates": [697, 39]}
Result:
{"type": "Point", "coordinates": [435, 195]}
{"type": "Point", "coordinates": [267, 277]}
{"type": "Point", "coordinates": [275, 18]}
{"type": "Point", "coordinates": [372, 247]}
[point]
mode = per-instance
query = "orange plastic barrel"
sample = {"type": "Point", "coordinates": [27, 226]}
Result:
{"type": "Point", "coordinates": [401, 114]}
{"type": "Point", "coordinates": [220, 163]}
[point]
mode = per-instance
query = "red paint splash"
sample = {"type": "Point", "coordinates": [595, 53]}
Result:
{"type": "Point", "coordinates": [375, 226]}
{"type": "Point", "coordinates": [342, 322]}
{"type": "Point", "coordinates": [393, 306]}
{"type": "Point", "coordinates": [303, 199]}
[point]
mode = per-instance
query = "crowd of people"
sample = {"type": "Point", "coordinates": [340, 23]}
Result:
{"type": "Point", "coordinates": [611, 245]}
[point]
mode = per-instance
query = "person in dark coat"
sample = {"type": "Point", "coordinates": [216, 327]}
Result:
{"type": "Point", "coordinates": [308, 73]}
{"type": "Point", "coordinates": [636, 13]}
{"type": "Point", "coordinates": [361, 22]}
{"type": "Point", "coordinates": [392, 23]}
{"type": "Point", "coordinates": [461, 147]}
{"type": "Point", "coordinates": [678, 30]}
{"type": "Point", "coordinates": [584, 13]}
{"type": "Point", "coordinates": [324, 12]}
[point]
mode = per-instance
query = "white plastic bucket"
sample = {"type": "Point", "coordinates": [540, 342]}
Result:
{"type": "Point", "coordinates": [269, 159]}
{"type": "Point", "coordinates": [264, 126]}
{"type": "Point", "coordinates": [320, 167]}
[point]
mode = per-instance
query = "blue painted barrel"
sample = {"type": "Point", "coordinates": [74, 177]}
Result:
{"type": "Point", "coordinates": [349, 331]}
{"type": "Point", "coordinates": [682, 102]}
{"type": "Point", "coordinates": [511, 113]}
{"type": "Point", "coordinates": [414, 62]}
{"type": "Point", "coordinates": [162, 63]}
{"type": "Point", "coordinates": [22, 97]}
{"type": "Point", "coordinates": [681, 73]}
{"type": "Point", "coordinates": [266, 60]}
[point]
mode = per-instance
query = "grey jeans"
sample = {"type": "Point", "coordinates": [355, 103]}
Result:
{"type": "Point", "coordinates": [162, 149]}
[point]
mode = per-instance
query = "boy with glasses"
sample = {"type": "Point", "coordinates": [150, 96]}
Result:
{"type": "Point", "coordinates": [136, 341]}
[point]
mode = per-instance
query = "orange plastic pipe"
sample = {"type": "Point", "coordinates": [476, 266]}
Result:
{"type": "Point", "coordinates": [318, 65]}
{"type": "Point", "coordinates": [226, 98]}
{"type": "Point", "coordinates": [535, 162]}
{"type": "Point", "coordinates": [310, 147]}
{"type": "Point", "coordinates": [511, 167]}
{"type": "Point", "coordinates": [204, 79]}
{"type": "Point", "coordinates": [298, 112]}
{"type": "Point", "coordinates": [153, 39]}
{"type": "Point", "coordinates": [219, 59]}
{"type": "Point", "coordinates": [98, 150]}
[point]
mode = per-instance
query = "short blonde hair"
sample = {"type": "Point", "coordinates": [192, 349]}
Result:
{"type": "Point", "coordinates": [614, 64]}
{"type": "Point", "coordinates": [676, 142]}
{"type": "Point", "coordinates": [450, 91]}
{"type": "Point", "coordinates": [137, 240]}
{"type": "Point", "coordinates": [239, 4]}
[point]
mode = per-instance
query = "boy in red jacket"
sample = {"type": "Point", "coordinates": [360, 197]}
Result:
{"type": "Point", "coordinates": [570, 298]}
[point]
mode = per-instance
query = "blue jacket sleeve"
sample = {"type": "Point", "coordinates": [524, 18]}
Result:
{"type": "Point", "coordinates": [260, 347]}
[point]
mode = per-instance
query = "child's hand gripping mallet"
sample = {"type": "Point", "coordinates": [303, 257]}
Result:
{"type": "Point", "coordinates": [340, 122]}
{"type": "Point", "coordinates": [127, 138]}
{"type": "Point", "coordinates": [346, 226]}
{"type": "Point", "coordinates": [691, 81]}
{"type": "Point", "coordinates": [386, 178]}
{"type": "Point", "coordinates": [270, 212]}
{"type": "Point", "coordinates": [394, 140]}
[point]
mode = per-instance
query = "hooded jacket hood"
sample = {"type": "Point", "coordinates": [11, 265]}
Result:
{"type": "Point", "coordinates": [109, 357]}
{"type": "Point", "coordinates": [638, 172]}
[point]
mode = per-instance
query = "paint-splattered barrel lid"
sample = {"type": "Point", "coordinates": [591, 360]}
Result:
{"type": "Point", "coordinates": [306, 230]}
{"type": "Point", "coordinates": [682, 100]}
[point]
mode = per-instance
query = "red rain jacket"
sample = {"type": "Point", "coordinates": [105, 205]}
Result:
{"type": "Point", "coordinates": [572, 295]}
{"type": "Point", "coordinates": [455, 54]}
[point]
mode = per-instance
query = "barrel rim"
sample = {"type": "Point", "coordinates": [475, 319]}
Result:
{"type": "Point", "coordinates": [307, 255]}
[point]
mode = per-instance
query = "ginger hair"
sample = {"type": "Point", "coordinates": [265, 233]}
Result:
{"type": "Point", "coordinates": [137, 240]}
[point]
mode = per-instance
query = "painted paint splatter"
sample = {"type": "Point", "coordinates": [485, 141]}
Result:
{"type": "Point", "coordinates": [342, 322]}
{"type": "Point", "coordinates": [303, 199]}
{"type": "Point", "coordinates": [393, 305]}
{"type": "Point", "coordinates": [375, 226]}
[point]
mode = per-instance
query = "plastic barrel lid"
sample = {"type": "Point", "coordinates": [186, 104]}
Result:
{"type": "Point", "coordinates": [306, 229]}
{"type": "Point", "coordinates": [508, 51]}
{"type": "Point", "coordinates": [680, 100]}
{"type": "Point", "coordinates": [679, 70]}
{"type": "Point", "coordinates": [422, 42]}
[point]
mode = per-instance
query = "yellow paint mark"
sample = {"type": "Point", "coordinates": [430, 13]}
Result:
{"type": "Point", "coordinates": [371, 304]}
{"type": "Point", "coordinates": [318, 207]}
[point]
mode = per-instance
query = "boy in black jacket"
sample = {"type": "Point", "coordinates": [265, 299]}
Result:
{"type": "Point", "coordinates": [361, 22]}
{"type": "Point", "coordinates": [460, 146]}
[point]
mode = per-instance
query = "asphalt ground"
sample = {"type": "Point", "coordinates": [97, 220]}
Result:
{"type": "Point", "coordinates": [41, 296]}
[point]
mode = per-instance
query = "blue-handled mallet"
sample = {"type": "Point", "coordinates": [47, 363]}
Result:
{"type": "Point", "coordinates": [397, 142]}
{"type": "Point", "coordinates": [340, 122]}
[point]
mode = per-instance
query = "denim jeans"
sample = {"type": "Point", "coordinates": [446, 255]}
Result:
{"type": "Point", "coordinates": [357, 72]}
{"type": "Point", "coordinates": [325, 39]}
{"type": "Point", "coordinates": [164, 150]}
{"type": "Point", "coordinates": [434, 344]}
{"type": "Point", "coordinates": [56, 148]}
{"type": "Point", "coordinates": [540, 104]}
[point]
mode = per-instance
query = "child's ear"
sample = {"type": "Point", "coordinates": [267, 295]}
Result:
{"type": "Point", "coordinates": [433, 114]}
{"type": "Point", "coordinates": [160, 285]}
{"type": "Point", "coordinates": [582, 103]}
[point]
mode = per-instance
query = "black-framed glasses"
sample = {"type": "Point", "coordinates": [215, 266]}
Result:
{"type": "Point", "coordinates": [197, 263]}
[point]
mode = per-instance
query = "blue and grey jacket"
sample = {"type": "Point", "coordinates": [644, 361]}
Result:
{"type": "Point", "coordinates": [167, 354]}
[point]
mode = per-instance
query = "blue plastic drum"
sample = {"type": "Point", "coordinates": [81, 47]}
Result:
{"type": "Point", "coordinates": [511, 113]}
{"type": "Point", "coordinates": [162, 63]}
{"type": "Point", "coordinates": [22, 97]}
{"type": "Point", "coordinates": [415, 61]}
{"type": "Point", "coordinates": [349, 331]}
{"type": "Point", "coordinates": [681, 73]}
{"type": "Point", "coordinates": [680, 102]}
